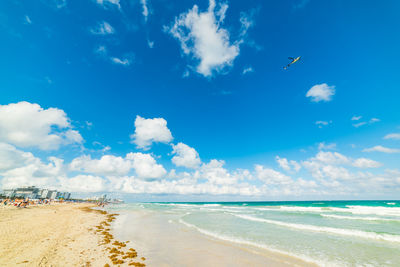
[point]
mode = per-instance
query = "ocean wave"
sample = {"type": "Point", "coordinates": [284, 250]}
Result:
{"type": "Point", "coordinates": [365, 210]}
{"type": "Point", "coordinates": [358, 218]}
{"type": "Point", "coordinates": [256, 244]}
{"type": "Point", "coordinates": [296, 209]}
{"type": "Point", "coordinates": [324, 229]}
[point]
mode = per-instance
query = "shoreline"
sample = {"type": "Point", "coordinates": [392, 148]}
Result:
{"type": "Point", "coordinates": [167, 242]}
{"type": "Point", "coordinates": [67, 234]}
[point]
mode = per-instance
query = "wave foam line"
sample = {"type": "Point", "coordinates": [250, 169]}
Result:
{"type": "Point", "coordinates": [324, 229]}
{"type": "Point", "coordinates": [358, 218]}
{"type": "Point", "coordinates": [255, 244]}
{"type": "Point", "coordinates": [383, 211]}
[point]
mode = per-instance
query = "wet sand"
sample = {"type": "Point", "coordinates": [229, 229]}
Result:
{"type": "Point", "coordinates": [60, 235]}
{"type": "Point", "coordinates": [168, 243]}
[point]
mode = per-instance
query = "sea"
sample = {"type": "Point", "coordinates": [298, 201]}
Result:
{"type": "Point", "coordinates": [326, 233]}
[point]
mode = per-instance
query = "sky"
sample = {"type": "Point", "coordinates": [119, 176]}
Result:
{"type": "Point", "coordinates": [154, 100]}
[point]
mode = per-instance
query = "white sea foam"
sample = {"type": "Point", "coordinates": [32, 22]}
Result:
{"type": "Point", "coordinates": [324, 229]}
{"type": "Point", "coordinates": [295, 209]}
{"type": "Point", "coordinates": [358, 218]}
{"type": "Point", "coordinates": [361, 210]}
{"type": "Point", "coordinates": [390, 203]}
{"type": "Point", "coordinates": [256, 244]}
{"type": "Point", "coordinates": [366, 210]}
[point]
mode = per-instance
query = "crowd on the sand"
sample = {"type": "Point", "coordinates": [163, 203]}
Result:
{"type": "Point", "coordinates": [23, 203]}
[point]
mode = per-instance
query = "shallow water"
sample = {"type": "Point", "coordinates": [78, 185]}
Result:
{"type": "Point", "coordinates": [331, 233]}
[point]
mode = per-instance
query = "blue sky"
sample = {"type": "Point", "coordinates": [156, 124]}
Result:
{"type": "Point", "coordinates": [76, 74]}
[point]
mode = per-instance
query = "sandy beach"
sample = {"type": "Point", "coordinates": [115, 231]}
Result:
{"type": "Point", "coordinates": [61, 235]}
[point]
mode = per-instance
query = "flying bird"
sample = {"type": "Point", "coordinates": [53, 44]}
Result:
{"type": "Point", "coordinates": [293, 60]}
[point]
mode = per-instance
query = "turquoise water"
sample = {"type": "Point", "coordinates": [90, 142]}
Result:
{"type": "Point", "coordinates": [329, 233]}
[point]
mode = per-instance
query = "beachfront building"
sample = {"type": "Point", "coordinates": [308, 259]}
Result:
{"type": "Point", "coordinates": [33, 192]}
{"type": "Point", "coordinates": [54, 195]}
{"type": "Point", "coordinates": [27, 192]}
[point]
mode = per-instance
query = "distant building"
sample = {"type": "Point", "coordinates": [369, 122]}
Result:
{"type": "Point", "coordinates": [66, 195]}
{"type": "Point", "coordinates": [45, 193]}
{"type": "Point", "coordinates": [26, 192]}
{"type": "Point", "coordinates": [9, 192]}
{"type": "Point", "coordinates": [54, 195]}
{"type": "Point", "coordinates": [33, 192]}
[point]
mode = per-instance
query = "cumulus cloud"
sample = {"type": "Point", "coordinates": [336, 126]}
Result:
{"type": "Point", "coordinates": [270, 176]}
{"type": "Point", "coordinates": [288, 165]}
{"type": "Point", "coordinates": [366, 163]}
{"type": "Point", "coordinates": [146, 166]}
{"type": "Point", "coordinates": [149, 131]}
{"type": "Point", "coordinates": [22, 168]}
{"type": "Point", "coordinates": [395, 136]}
{"type": "Point", "coordinates": [106, 165]}
{"type": "Point", "coordinates": [356, 118]}
{"type": "Point", "coordinates": [25, 124]}
{"type": "Point", "coordinates": [321, 92]}
{"type": "Point", "coordinates": [102, 28]}
{"type": "Point", "coordinates": [11, 157]}
{"type": "Point", "coordinates": [83, 183]}
{"type": "Point", "coordinates": [185, 156]}
{"type": "Point", "coordinates": [382, 149]}
{"type": "Point", "coordinates": [202, 37]}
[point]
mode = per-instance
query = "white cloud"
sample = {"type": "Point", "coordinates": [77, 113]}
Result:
{"type": "Point", "coordinates": [215, 173]}
{"type": "Point", "coordinates": [106, 3]}
{"type": "Point", "coordinates": [325, 146]}
{"type": "Point", "coordinates": [332, 158]}
{"type": "Point", "coordinates": [103, 28]}
{"type": "Point", "coordinates": [25, 169]}
{"type": "Point", "coordinates": [361, 123]}
{"type": "Point", "coordinates": [321, 92]}
{"type": "Point", "coordinates": [185, 156]}
{"type": "Point", "coordinates": [148, 131]}
{"type": "Point", "coordinates": [106, 165]}
{"type": "Point", "coordinates": [382, 149]}
{"type": "Point", "coordinates": [395, 136]}
{"type": "Point", "coordinates": [11, 158]}
{"type": "Point", "coordinates": [202, 37]}
{"type": "Point", "coordinates": [356, 118]}
{"type": "Point", "coordinates": [150, 43]}
{"type": "Point", "coordinates": [373, 120]}
{"type": "Point", "coordinates": [288, 165]}
{"type": "Point", "coordinates": [28, 125]}
{"type": "Point", "coordinates": [146, 166]}
{"type": "Point", "coordinates": [83, 183]}
{"type": "Point", "coordinates": [321, 124]}
{"type": "Point", "coordinates": [270, 176]}
{"type": "Point", "coordinates": [246, 21]}
{"type": "Point", "coordinates": [366, 163]}
{"type": "Point", "coordinates": [247, 70]}
{"type": "Point", "coordinates": [121, 61]}
{"type": "Point", "coordinates": [28, 20]}
{"type": "Point", "coordinates": [101, 50]}
{"type": "Point", "coordinates": [145, 9]}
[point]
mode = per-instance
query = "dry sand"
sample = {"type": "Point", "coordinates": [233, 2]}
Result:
{"type": "Point", "coordinates": [58, 235]}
